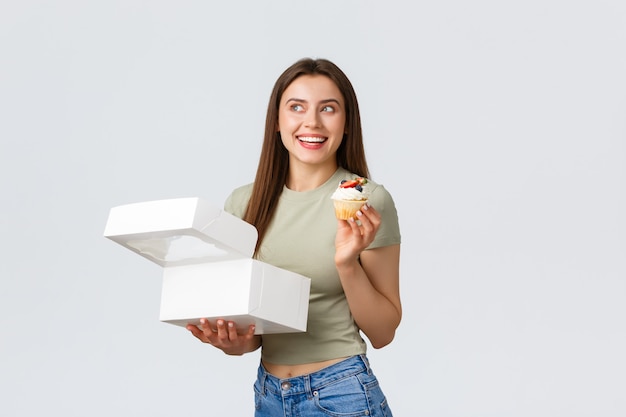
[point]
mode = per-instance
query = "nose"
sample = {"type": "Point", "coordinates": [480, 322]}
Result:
{"type": "Point", "coordinates": [312, 119]}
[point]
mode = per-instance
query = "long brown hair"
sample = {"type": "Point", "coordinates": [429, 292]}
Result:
{"type": "Point", "coordinates": [271, 174]}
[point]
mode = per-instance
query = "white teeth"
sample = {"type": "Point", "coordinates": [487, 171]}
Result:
{"type": "Point", "coordinates": [311, 140]}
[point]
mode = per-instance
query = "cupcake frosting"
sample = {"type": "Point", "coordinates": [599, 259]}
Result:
{"type": "Point", "coordinates": [356, 189]}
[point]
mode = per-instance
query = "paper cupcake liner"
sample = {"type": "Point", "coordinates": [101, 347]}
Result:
{"type": "Point", "coordinates": [346, 209]}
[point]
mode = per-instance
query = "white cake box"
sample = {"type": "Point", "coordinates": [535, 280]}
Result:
{"type": "Point", "coordinates": [208, 270]}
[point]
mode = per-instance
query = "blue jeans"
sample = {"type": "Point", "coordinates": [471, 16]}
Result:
{"type": "Point", "coordinates": [345, 389]}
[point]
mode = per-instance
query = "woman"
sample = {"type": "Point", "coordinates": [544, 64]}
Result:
{"type": "Point", "coordinates": [312, 141]}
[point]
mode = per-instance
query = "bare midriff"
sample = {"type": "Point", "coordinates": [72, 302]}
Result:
{"type": "Point", "coordinates": [290, 371]}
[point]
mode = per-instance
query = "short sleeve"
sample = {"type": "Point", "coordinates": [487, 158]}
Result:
{"type": "Point", "coordinates": [389, 232]}
{"type": "Point", "coordinates": [237, 202]}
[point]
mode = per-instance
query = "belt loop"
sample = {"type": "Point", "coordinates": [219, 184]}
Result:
{"type": "Point", "coordinates": [307, 387]}
{"type": "Point", "coordinates": [366, 362]}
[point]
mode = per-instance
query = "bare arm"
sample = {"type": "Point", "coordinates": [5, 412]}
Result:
{"type": "Point", "coordinates": [371, 284]}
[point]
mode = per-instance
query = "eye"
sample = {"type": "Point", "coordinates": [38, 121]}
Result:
{"type": "Point", "coordinates": [329, 109]}
{"type": "Point", "coordinates": [297, 107]}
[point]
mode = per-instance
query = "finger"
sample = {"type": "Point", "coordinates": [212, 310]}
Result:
{"type": "Point", "coordinates": [369, 208]}
{"type": "Point", "coordinates": [342, 224]}
{"type": "Point", "coordinates": [251, 330]}
{"type": "Point", "coordinates": [356, 230]}
{"type": "Point", "coordinates": [371, 213]}
{"type": "Point", "coordinates": [372, 216]}
{"type": "Point", "coordinates": [232, 331]}
{"type": "Point", "coordinates": [195, 331]}
{"type": "Point", "coordinates": [205, 325]}
{"type": "Point", "coordinates": [366, 222]}
{"type": "Point", "coordinates": [222, 333]}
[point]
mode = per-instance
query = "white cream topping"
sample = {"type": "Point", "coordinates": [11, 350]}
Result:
{"type": "Point", "coordinates": [352, 193]}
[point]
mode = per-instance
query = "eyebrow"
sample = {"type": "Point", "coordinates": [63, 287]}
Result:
{"type": "Point", "coordinates": [328, 100]}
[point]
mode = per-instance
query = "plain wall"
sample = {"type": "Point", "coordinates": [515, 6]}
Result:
{"type": "Point", "coordinates": [498, 127]}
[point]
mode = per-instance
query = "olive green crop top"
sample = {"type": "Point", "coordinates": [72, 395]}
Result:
{"type": "Point", "coordinates": [301, 239]}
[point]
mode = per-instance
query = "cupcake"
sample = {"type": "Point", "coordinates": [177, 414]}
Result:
{"type": "Point", "coordinates": [349, 197]}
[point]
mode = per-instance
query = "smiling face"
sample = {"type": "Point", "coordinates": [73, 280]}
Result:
{"type": "Point", "coordinates": [311, 122]}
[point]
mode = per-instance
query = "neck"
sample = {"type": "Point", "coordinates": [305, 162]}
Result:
{"type": "Point", "coordinates": [307, 177]}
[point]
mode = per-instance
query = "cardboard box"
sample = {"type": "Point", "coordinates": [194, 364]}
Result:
{"type": "Point", "coordinates": [208, 270]}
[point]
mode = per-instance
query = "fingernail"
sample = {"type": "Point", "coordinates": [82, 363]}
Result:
{"type": "Point", "coordinates": [230, 324]}
{"type": "Point", "coordinates": [358, 213]}
{"type": "Point", "coordinates": [366, 206]}
{"type": "Point", "coordinates": [220, 322]}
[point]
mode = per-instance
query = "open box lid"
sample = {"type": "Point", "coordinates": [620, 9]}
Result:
{"type": "Point", "coordinates": [181, 231]}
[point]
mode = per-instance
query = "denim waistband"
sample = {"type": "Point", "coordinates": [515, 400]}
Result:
{"type": "Point", "coordinates": [306, 384]}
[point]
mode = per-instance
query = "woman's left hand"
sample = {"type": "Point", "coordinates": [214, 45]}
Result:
{"type": "Point", "coordinates": [225, 336]}
{"type": "Point", "coordinates": [353, 238]}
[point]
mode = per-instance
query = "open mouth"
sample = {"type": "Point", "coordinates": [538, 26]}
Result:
{"type": "Point", "coordinates": [312, 139]}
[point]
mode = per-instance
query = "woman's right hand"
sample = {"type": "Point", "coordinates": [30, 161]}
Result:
{"type": "Point", "coordinates": [223, 335]}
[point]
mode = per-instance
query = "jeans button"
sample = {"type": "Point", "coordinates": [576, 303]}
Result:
{"type": "Point", "coordinates": [285, 385]}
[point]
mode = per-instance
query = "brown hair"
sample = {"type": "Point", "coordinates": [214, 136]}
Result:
{"type": "Point", "coordinates": [271, 174]}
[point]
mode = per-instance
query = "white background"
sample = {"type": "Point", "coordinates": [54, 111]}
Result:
{"type": "Point", "coordinates": [498, 126]}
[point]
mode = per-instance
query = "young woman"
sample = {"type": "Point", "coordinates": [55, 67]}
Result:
{"type": "Point", "coordinates": [312, 142]}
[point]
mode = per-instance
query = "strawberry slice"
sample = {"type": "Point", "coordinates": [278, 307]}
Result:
{"type": "Point", "coordinates": [349, 184]}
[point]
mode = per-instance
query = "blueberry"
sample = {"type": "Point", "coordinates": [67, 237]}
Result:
{"type": "Point", "coordinates": [358, 187]}
{"type": "Point", "coordinates": [342, 181]}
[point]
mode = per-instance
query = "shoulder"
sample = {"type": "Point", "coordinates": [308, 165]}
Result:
{"type": "Point", "coordinates": [237, 202]}
{"type": "Point", "coordinates": [381, 197]}
{"type": "Point", "coordinates": [382, 201]}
